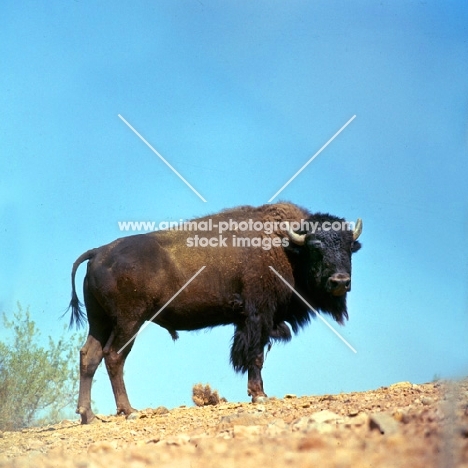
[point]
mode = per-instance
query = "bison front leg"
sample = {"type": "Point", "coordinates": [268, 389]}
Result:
{"type": "Point", "coordinates": [255, 381]}
{"type": "Point", "coordinates": [249, 341]}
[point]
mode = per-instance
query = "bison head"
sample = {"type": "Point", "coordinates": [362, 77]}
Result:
{"type": "Point", "coordinates": [323, 262]}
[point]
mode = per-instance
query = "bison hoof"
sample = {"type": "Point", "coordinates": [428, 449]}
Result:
{"type": "Point", "coordinates": [260, 399]}
{"type": "Point", "coordinates": [87, 416]}
{"type": "Point", "coordinates": [133, 415]}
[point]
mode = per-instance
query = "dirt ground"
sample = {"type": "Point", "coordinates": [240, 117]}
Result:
{"type": "Point", "coordinates": [404, 425]}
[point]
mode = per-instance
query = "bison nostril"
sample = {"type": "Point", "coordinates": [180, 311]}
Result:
{"type": "Point", "coordinates": [339, 283]}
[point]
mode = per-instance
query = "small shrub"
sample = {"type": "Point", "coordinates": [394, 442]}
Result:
{"type": "Point", "coordinates": [38, 383]}
{"type": "Point", "coordinates": [204, 396]}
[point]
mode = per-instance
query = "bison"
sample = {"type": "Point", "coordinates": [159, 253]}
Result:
{"type": "Point", "coordinates": [144, 277]}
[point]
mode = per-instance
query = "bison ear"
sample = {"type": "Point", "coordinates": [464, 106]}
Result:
{"type": "Point", "coordinates": [356, 245]}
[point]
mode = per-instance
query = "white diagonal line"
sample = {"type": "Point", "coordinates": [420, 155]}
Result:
{"type": "Point", "coordinates": [159, 156]}
{"type": "Point", "coordinates": [161, 309]}
{"type": "Point", "coordinates": [312, 158]}
{"type": "Point", "coordinates": [313, 310]}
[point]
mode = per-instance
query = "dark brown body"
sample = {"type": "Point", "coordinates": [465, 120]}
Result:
{"type": "Point", "coordinates": [129, 280]}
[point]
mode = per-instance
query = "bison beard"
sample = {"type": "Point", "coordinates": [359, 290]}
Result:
{"type": "Point", "coordinates": [130, 279]}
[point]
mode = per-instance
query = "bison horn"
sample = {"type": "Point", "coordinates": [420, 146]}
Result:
{"type": "Point", "coordinates": [357, 229]}
{"type": "Point", "coordinates": [298, 239]}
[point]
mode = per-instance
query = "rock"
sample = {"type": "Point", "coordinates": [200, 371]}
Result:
{"type": "Point", "coordinates": [276, 428]}
{"type": "Point", "coordinates": [401, 416]}
{"type": "Point", "coordinates": [198, 432]}
{"type": "Point", "coordinates": [242, 419]}
{"type": "Point", "coordinates": [395, 441]}
{"type": "Point", "coordinates": [301, 424]}
{"type": "Point", "coordinates": [311, 443]}
{"type": "Point", "coordinates": [290, 395]}
{"type": "Point", "coordinates": [321, 421]}
{"type": "Point", "coordinates": [34, 453]}
{"type": "Point", "coordinates": [154, 440]}
{"type": "Point", "coordinates": [160, 410]}
{"type": "Point", "coordinates": [325, 416]}
{"type": "Point", "coordinates": [384, 423]}
{"type": "Point", "coordinates": [327, 398]}
{"type": "Point", "coordinates": [360, 419]}
{"type": "Point", "coordinates": [432, 415]}
{"type": "Point", "coordinates": [225, 406]}
{"type": "Point", "coordinates": [66, 422]}
{"type": "Point", "coordinates": [426, 401]}
{"type": "Point", "coordinates": [401, 385]}
{"type": "Point", "coordinates": [103, 446]}
{"type": "Point", "coordinates": [220, 447]}
{"type": "Point", "coordinates": [463, 431]}
{"type": "Point", "coordinates": [260, 399]}
{"type": "Point", "coordinates": [178, 440]}
{"type": "Point", "coordinates": [35, 445]}
{"type": "Point", "coordinates": [101, 418]}
{"type": "Point", "coordinates": [247, 431]}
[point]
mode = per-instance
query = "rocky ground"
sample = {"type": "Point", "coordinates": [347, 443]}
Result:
{"type": "Point", "coordinates": [404, 425]}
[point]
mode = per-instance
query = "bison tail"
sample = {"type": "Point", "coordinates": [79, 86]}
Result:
{"type": "Point", "coordinates": [78, 317]}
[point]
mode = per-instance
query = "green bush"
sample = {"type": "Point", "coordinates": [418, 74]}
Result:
{"type": "Point", "coordinates": [37, 383]}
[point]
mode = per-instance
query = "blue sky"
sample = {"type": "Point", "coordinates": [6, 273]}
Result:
{"type": "Point", "coordinates": [237, 96]}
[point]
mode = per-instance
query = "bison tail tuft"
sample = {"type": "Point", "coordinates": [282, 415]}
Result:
{"type": "Point", "coordinates": [78, 317]}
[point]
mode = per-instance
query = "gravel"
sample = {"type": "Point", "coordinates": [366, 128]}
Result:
{"type": "Point", "coordinates": [405, 424]}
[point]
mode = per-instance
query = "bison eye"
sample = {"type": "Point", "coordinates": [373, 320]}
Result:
{"type": "Point", "coordinates": [315, 243]}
